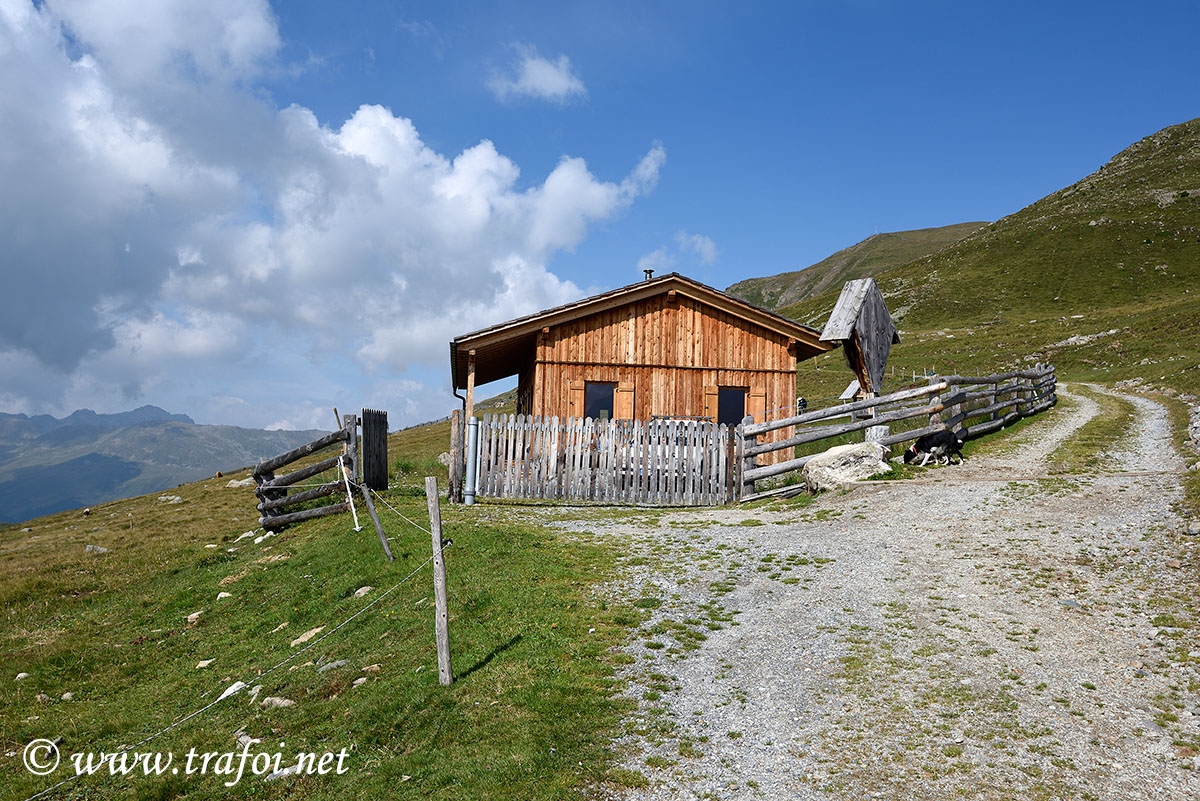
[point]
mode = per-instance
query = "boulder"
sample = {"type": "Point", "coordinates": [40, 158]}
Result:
{"type": "Point", "coordinates": [235, 483]}
{"type": "Point", "coordinates": [845, 463]}
{"type": "Point", "coordinates": [274, 702]}
{"type": "Point", "coordinates": [95, 549]}
{"type": "Point", "coordinates": [443, 459]}
{"type": "Point", "coordinates": [169, 499]}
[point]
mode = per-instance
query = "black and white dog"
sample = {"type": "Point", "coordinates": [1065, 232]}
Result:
{"type": "Point", "coordinates": [939, 446]}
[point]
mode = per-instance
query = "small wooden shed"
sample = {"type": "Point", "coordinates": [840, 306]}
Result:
{"type": "Point", "coordinates": [861, 324]}
{"type": "Point", "coordinates": [664, 347]}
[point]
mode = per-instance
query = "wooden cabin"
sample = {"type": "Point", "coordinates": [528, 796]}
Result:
{"type": "Point", "coordinates": [664, 347]}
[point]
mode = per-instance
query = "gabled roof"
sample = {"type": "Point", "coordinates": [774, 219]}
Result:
{"type": "Point", "coordinates": [500, 349]}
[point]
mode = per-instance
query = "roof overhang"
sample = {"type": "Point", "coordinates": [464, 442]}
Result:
{"type": "Point", "coordinates": [502, 350]}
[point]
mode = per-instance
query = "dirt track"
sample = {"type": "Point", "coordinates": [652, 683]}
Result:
{"type": "Point", "coordinates": [953, 638]}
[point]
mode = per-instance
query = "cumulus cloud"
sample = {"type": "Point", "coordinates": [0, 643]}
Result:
{"type": "Point", "coordinates": [658, 259]}
{"type": "Point", "coordinates": [698, 244]}
{"type": "Point", "coordinates": [534, 76]}
{"type": "Point", "coordinates": [166, 225]}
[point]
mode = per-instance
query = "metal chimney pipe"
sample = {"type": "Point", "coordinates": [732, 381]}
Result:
{"type": "Point", "coordinates": [649, 273]}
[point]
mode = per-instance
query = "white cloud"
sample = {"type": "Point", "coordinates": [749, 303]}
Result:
{"type": "Point", "coordinates": [534, 76]}
{"type": "Point", "coordinates": [699, 244]}
{"type": "Point", "coordinates": [659, 259]}
{"type": "Point", "coordinates": [177, 232]}
{"type": "Point", "coordinates": [664, 258]}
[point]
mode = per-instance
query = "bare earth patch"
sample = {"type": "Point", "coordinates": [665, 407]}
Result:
{"type": "Point", "coordinates": [1020, 639]}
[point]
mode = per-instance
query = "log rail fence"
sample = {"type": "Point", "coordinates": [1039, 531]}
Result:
{"type": "Point", "coordinates": [352, 473]}
{"type": "Point", "coordinates": [947, 402]}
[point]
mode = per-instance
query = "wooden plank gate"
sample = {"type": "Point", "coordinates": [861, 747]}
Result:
{"type": "Point", "coordinates": [656, 462]}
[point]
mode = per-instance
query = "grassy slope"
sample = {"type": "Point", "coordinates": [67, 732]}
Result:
{"type": "Point", "coordinates": [1120, 249]}
{"type": "Point", "coordinates": [529, 638]}
{"type": "Point", "coordinates": [869, 257]}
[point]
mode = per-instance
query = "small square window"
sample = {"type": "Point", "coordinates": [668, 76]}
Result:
{"type": "Point", "coordinates": [731, 405]}
{"type": "Point", "coordinates": [598, 400]}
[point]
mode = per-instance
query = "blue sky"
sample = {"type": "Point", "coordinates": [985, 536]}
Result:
{"type": "Point", "coordinates": [251, 213]}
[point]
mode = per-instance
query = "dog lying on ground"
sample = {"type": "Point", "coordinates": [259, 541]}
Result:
{"type": "Point", "coordinates": [939, 446]}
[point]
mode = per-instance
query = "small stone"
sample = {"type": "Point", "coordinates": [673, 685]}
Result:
{"type": "Point", "coordinates": [372, 669]}
{"type": "Point", "coordinates": [282, 773]}
{"type": "Point", "coordinates": [280, 627]}
{"type": "Point", "coordinates": [254, 691]}
{"type": "Point", "coordinates": [235, 483]}
{"type": "Point", "coordinates": [332, 666]}
{"type": "Point", "coordinates": [274, 702]}
{"type": "Point", "coordinates": [43, 697]}
{"type": "Point", "coordinates": [266, 536]}
{"type": "Point", "coordinates": [22, 676]}
{"type": "Point", "coordinates": [68, 696]}
{"type": "Point", "coordinates": [241, 537]}
{"type": "Point", "coordinates": [212, 545]}
{"type": "Point", "coordinates": [1193, 528]}
{"type": "Point", "coordinates": [221, 595]}
{"type": "Point", "coordinates": [96, 549]}
{"type": "Point", "coordinates": [194, 617]}
{"type": "Point", "coordinates": [359, 681]}
{"type": "Point", "coordinates": [361, 591]}
{"type": "Point", "coordinates": [306, 636]}
{"type": "Point", "coordinates": [1174, 564]}
{"type": "Point", "coordinates": [169, 499]}
{"type": "Point", "coordinates": [27, 529]}
{"type": "Point", "coordinates": [203, 663]}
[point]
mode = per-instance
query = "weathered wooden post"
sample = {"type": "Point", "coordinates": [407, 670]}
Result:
{"type": "Point", "coordinates": [935, 418]}
{"type": "Point", "coordinates": [747, 462]}
{"type": "Point", "coordinates": [441, 620]}
{"type": "Point", "coordinates": [374, 449]}
{"type": "Point", "coordinates": [350, 425]}
{"type": "Point", "coordinates": [454, 494]}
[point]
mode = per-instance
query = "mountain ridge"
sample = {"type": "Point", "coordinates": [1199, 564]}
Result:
{"type": "Point", "coordinates": [47, 465]}
{"type": "Point", "coordinates": [871, 256]}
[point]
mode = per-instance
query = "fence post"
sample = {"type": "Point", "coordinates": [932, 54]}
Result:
{"type": "Point", "coordinates": [350, 424]}
{"type": "Point", "coordinates": [454, 492]}
{"type": "Point", "coordinates": [935, 418]}
{"type": "Point", "coordinates": [441, 620]}
{"type": "Point", "coordinates": [747, 462]}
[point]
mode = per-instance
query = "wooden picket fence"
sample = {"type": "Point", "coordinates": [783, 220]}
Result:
{"type": "Point", "coordinates": [656, 462]}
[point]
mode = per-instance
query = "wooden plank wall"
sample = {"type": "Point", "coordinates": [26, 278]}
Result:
{"type": "Point", "coordinates": [661, 462]}
{"type": "Point", "coordinates": [669, 350]}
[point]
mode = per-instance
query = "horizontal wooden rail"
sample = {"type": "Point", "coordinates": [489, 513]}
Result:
{"type": "Point", "coordinates": [270, 465]}
{"type": "Point", "coordinates": [846, 428]}
{"type": "Point", "coordinates": [754, 429]}
{"type": "Point", "coordinates": [301, 497]}
{"type": "Point", "coordinates": [278, 521]}
{"type": "Point", "coordinates": [302, 473]}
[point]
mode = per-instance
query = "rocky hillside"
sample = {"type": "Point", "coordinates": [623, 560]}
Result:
{"type": "Point", "coordinates": [869, 257]}
{"type": "Point", "coordinates": [1099, 277]}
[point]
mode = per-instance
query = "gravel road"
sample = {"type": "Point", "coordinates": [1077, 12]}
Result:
{"type": "Point", "coordinates": [989, 633]}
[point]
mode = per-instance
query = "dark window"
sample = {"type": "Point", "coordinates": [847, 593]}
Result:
{"type": "Point", "coordinates": [598, 400]}
{"type": "Point", "coordinates": [731, 405]}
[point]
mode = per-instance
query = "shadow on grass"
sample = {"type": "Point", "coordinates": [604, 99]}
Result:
{"type": "Point", "coordinates": [482, 663]}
